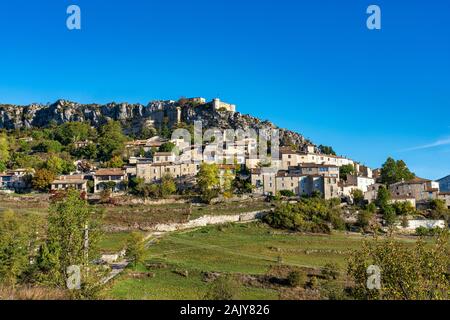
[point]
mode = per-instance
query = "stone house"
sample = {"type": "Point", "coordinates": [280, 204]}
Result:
{"type": "Point", "coordinates": [162, 157]}
{"type": "Point", "coordinates": [113, 176]}
{"type": "Point", "coordinates": [66, 182]}
{"type": "Point", "coordinates": [418, 188]}
{"type": "Point", "coordinates": [183, 173]}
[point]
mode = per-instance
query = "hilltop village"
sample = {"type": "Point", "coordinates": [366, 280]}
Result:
{"type": "Point", "coordinates": [70, 153]}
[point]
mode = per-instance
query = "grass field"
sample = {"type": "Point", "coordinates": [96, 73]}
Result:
{"type": "Point", "coordinates": [235, 248]}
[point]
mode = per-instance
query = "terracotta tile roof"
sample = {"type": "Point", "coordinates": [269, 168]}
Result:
{"type": "Point", "coordinates": [109, 172]}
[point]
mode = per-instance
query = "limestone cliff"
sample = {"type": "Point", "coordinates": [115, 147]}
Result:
{"type": "Point", "coordinates": [135, 116]}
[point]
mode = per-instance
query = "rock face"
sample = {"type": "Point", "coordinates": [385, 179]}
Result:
{"type": "Point", "coordinates": [134, 116]}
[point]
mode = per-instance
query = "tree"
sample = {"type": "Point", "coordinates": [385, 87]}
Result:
{"type": "Point", "coordinates": [223, 288]}
{"type": "Point", "coordinates": [73, 233]}
{"type": "Point", "coordinates": [327, 150]}
{"type": "Point", "coordinates": [241, 186]}
{"type": "Point", "coordinates": [49, 146]}
{"type": "Point", "coordinates": [345, 170]}
{"type": "Point", "coordinates": [439, 209]}
{"type": "Point", "coordinates": [71, 132]}
{"type": "Point", "coordinates": [395, 171]}
{"type": "Point", "coordinates": [364, 219]}
{"type": "Point", "coordinates": [383, 197]}
{"type": "Point", "coordinates": [296, 278]}
{"type": "Point", "coordinates": [358, 196]}
{"type": "Point", "coordinates": [166, 147]}
{"type": "Point", "coordinates": [135, 248]}
{"type": "Point", "coordinates": [59, 166]}
{"type": "Point", "coordinates": [168, 185]}
{"type": "Point", "coordinates": [208, 181]}
{"type": "Point", "coordinates": [111, 140]}
{"type": "Point", "coordinates": [4, 149]}
{"type": "Point", "coordinates": [403, 208]}
{"type": "Point", "coordinates": [17, 237]}
{"type": "Point", "coordinates": [389, 215]}
{"type": "Point", "coordinates": [287, 193]}
{"type": "Point", "coordinates": [42, 179]}
{"type": "Point", "coordinates": [407, 273]}
{"type": "Point", "coordinates": [115, 162]}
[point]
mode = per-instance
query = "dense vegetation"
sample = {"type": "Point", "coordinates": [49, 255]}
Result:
{"type": "Point", "coordinates": [308, 215]}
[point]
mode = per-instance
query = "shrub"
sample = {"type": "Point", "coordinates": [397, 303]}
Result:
{"type": "Point", "coordinates": [287, 193]}
{"type": "Point", "coordinates": [428, 232]}
{"type": "Point", "coordinates": [223, 288]}
{"type": "Point", "coordinates": [330, 271]}
{"type": "Point", "coordinates": [296, 278]}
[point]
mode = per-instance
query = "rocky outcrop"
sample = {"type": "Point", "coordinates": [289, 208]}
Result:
{"type": "Point", "coordinates": [134, 116]}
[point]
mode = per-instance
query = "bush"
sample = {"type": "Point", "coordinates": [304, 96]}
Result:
{"type": "Point", "coordinates": [296, 278]}
{"type": "Point", "coordinates": [330, 271]}
{"type": "Point", "coordinates": [364, 218]}
{"type": "Point", "coordinates": [223, 288]}
{"type": "Point", "coordinates": [308, 215]}
{"type": "Point", "coordinates": [428, 232]}
{"type": "Point", "coordinates": [287, 193]}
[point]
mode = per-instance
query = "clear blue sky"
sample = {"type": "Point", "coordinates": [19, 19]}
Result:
{"type": "Point", "coordinates": [310, 66]}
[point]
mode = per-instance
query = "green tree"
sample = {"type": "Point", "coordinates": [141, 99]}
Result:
{"type": "Point", "coordinates": [111, 140]}
{"type": "Point", "coordinates": [364, 219]}
{"type": "Point", "coordinates": [166, 147]}
{"type": "Point", "coordinates": [48, 146]}
{"type": "Point", "coordinates": [407, 273]}
{"type": "Point", "coordinates": [208, 181]}
{"type": "Point", "coordinates": [168, 185]}
{"type": "Point", "coordinates": [71, 132]}
{"type": "Point", "coordinates": [383, 197]}
{"type": "Point", "coordinates": [59, 166]}
{"type": "Point", "coordinates": [327, 150]}
{"type": "Point", "coordinates": [345, 170]}
{"type": "Point", "coordinates": [135, 250]}
{"type": "Point", "coordinates": [73, 233]}
{"type": "Point", "coordinates": [389, 215]}
{"type": "Point", "coordinates": [4, 149]}
{"type": "Point", "coordinates": [115, 162]}
{"type": "Point", "coordinates": [223, 288]}
{"type": "Point", "coordinates": [358, 196]}
{"type": "Point", "coordinates": [17, 239]}
{"type": "Point", "coordinates": [296, 278]}
{"type": "Point", "coordinates": [42, 179]}
{"type": "Point", "coordinates": [439, 209]}
{"type": "Point", "coordinates": [395, 171]}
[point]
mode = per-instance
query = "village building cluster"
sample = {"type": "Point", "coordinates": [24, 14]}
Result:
{"type": "Point", "coordinates": [299, 172]}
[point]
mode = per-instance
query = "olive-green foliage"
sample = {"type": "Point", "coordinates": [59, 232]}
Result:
{"type": "Point", "coordinates": [223, 288]}
{"type": "Point", "coordinates": [347, 169]}
{"type": "Point", "coordinates": [383, 197]}
{"type": "Point", "coordinates": [71, 132]}
{"type": "Point", "coordinates": [439, 209]}
{"type": "Point", "coordinates": [18, 240]}
{"type": "Point", "coordinates": [395, 171]}
{"type": "Point", "coordinates": [407, 273]}
{"type": "Point", "coordinates": [73, 232]}
{"type": "Point", "coordinates": [135, 249]}
{"type": "Point", "coordinates": [308, 215]}
{"type": "Point", "coordinates": [296, 278]}
{"type": "Point", "coordinates": [111, 140]}
{"type": "Point", "coordinates": [208, 181]}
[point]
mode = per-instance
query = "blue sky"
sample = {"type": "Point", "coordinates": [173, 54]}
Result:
{"type": "Point", "coordinates": [310, 66]}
